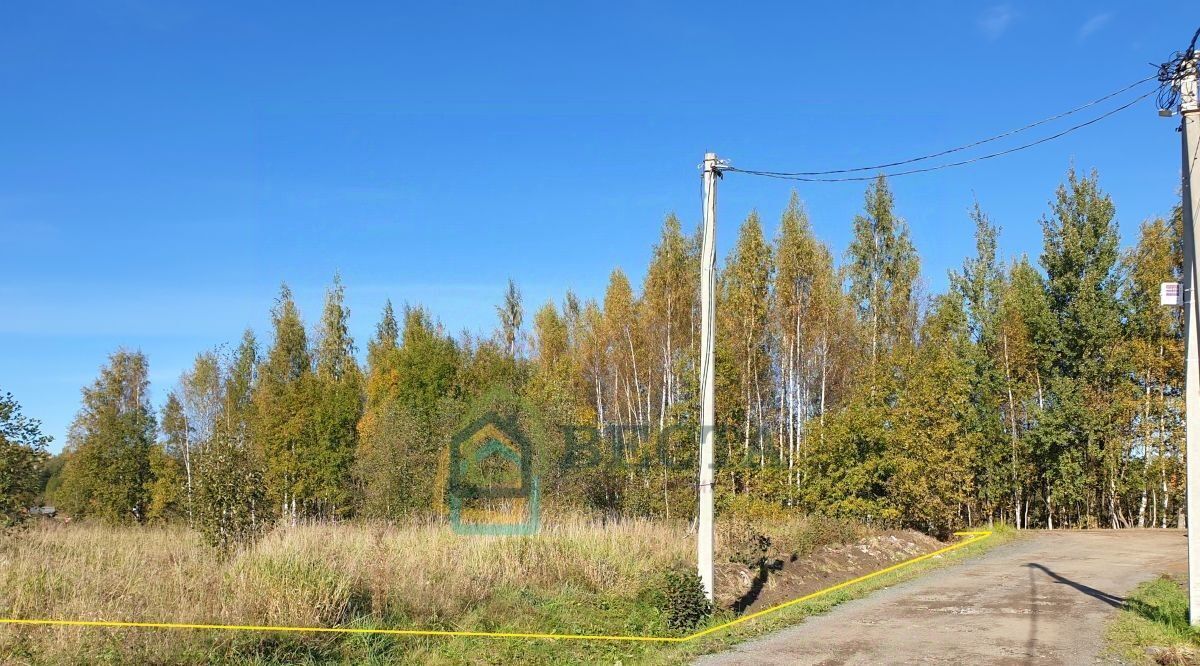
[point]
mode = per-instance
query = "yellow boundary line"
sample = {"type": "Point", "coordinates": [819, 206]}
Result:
{"type": "Point", "coordinates": [975, 536]}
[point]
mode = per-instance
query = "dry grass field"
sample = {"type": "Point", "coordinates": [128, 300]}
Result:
{"type": "Point", "coordinates": [578, 575]}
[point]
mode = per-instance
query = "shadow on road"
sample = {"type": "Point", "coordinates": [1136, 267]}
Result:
{"type": "Point", "coordinates": [1111, 600]}
{"type": "Point", "coordinates": [1031, 643]}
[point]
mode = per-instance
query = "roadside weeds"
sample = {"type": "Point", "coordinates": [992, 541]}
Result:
{"type": "Point", "coordinates": [1153, 628]}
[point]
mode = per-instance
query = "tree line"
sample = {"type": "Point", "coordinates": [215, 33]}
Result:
{"type": "Point", "coordinates": [1044, 393]}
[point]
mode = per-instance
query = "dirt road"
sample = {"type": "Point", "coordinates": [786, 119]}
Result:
{"type": "Point", "coordinates": [1043, 599]}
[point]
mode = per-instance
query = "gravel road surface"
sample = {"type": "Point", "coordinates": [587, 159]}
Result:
{"type": "Point", "coordinates": [1044, 598]}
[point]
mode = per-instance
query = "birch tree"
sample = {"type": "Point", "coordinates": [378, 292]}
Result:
{"type": "Point", "coordinates": [744, 332]}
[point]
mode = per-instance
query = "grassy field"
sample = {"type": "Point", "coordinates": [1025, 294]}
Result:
{"type": "Point", "coordinates": [576, 576]}
{"type": "Point", "coordinates": [1153, 626]}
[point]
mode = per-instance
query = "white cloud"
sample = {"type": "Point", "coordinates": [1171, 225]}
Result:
{"type": "Point", "coordinates": [996, 20]}
{"type": "Point", "coordinates": [1094, 24]}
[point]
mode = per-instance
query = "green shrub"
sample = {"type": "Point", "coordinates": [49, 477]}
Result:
{"type": "Point", "coordinates": [679, 596]}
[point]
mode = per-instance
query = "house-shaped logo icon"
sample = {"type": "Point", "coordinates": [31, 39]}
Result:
{"type": "Point", "coordinates": [491, 465]}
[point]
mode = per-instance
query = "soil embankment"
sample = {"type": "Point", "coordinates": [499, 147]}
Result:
{"type": "Point", "coordinates": [783, 576]}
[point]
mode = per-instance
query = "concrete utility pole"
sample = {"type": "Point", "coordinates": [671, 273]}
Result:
{"type": "Point", "coordinates": [708, 288]}
{"type": "Point", "coordinates": [1190, 130]}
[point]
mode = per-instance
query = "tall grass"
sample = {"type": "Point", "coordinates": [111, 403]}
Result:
{"type": "Point", "coordinates": [420, 575]}
{"type": "Point", "coordinates": [578, 575]}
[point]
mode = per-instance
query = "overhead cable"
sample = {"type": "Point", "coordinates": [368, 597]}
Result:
{"type": "Point", "coordinates": [818, 177]}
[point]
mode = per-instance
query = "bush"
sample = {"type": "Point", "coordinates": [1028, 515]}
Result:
{"type": "Point", "coordinates": [228, 508]}
{"type": "Point", "coordinates": [22, 452]}
{"type": "Point", "coordinates": [745, 544]}
{"type": "Point", "coordinates": [679, 595]}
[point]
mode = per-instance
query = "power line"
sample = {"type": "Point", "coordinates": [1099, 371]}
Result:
{"type": "Point", "coordinates": [801, 176]}
{"type": "Point", "coordinates": [974, 144]}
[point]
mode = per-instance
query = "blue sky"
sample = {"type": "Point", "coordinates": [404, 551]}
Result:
{"type": "Point", "coordinates": [164, 166]}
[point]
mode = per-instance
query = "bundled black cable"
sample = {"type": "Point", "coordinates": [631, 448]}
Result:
{"type": "Point", "coordinates": [1170, 75]}
{"type": "Point", "coordinates": [784, 175]}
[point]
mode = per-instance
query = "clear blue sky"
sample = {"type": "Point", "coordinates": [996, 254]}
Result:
{"type": "Point", "coordinates": [164, 166]}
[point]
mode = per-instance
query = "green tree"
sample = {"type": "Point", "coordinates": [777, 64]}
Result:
{"type": "Point", "coordinates": [176, 444]}
{"type": "Point", "coordinates": [551, 386]}
{"type": "Point", "coordinates": [381, 388]}
{"type": "Point", "coordinates": [281, 430]}
{"type": "Point", "coordinates": [850, 473]}
{"type": "Point", "coordinates": [978, 287]}
{"type": "Point", "coordinates": [883, 273]}
{"type": "Point", "coordinates": [807, 309]}
{"type": "Point", "coordinates": [1079, 435]}
{"type": "Point", "coordinates": [190, 419]}
{"type": "Point", "coordinates": [931, 461]}
{"type": "Point", "coordinates": [855, 459]}
{"type": "Point", "coordinates": [337, 407]}
{"type": "Point", "coordinates": [50, 478]}
{"type": "Point", "coordinates": [387, 336]}
{"type": "Point", "coordinates": [670, 293]}
{"type": "Point", "coordinates": [511, 315]}
{"type": "Point", "coordinates": [22, 455]}
{"type": "Point", "coordinates": [1155, 347]}
{"type": "Point", "coordinates": [670, 299]}
{"type": "Point", "coordinates": [427, 363]}
{"type": "Point", "coordinates": [623, 340]}
{"type": "Point", "coordinates": [1025, 323]}
{"type": "Point", "coordinates": [744, 333]}
{"type": "Point", "coordinates": [395, 465]}
{"type": "Point", "coordinates": [166, 488]}
{"type": "Point", "coordinates": [108, 474]}
{"type": "Point", "coordinates": [398, 466]}
{"type": "Point", "coordinates": [229, 493]}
